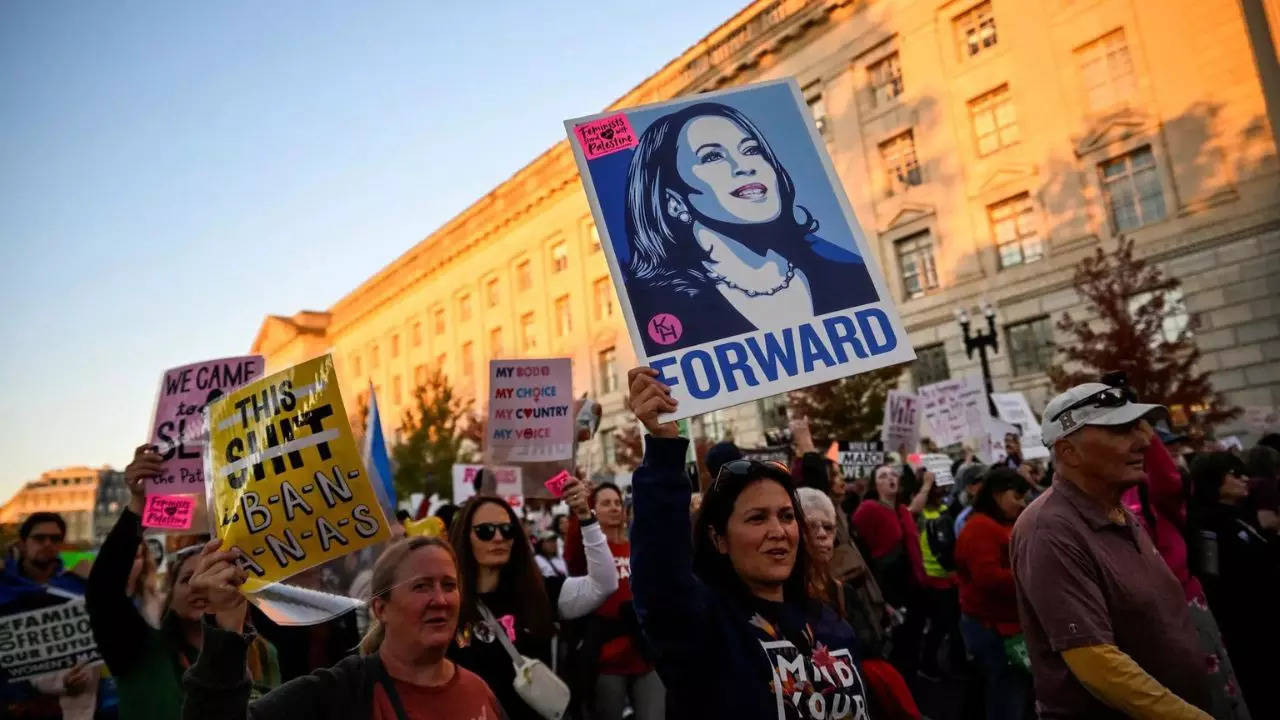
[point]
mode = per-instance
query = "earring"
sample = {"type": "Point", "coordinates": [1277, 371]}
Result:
{"type": "Point", "coordinates": [684, 217]}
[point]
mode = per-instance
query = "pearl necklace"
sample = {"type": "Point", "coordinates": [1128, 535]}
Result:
{"type": "Point", "coordinates": [786, 282]}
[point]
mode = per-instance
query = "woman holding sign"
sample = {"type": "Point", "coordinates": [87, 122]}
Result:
{"type": "Point", "coordinates": [726, 602]}
{"type": "Point", "coordinates": [147, 662]}
{"type": "Point", "coordinates": [719, 246]}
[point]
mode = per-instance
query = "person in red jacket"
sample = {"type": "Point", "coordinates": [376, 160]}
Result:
{"type": "Point", "coordinates": [988, 602]}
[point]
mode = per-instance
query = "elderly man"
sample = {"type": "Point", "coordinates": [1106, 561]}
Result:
{"type": "Point", "coordinates": [1107, 629]}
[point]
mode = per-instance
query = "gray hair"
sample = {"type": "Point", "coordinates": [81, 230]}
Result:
{"type": "Point", "coordinates": [814, 502]}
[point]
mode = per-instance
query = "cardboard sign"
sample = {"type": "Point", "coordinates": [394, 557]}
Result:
{"type": "Point", "coordinates": [901, 427]}
{"type": "Point", "coordinates": [954, 410]}
{"type": "Point", "coordinates": [940, 466]}
{"type": "Point", "coordinates": [531, 415]}
{"type": "Point", "coordinates": [177, 426]}
{"type": "Point", "coordinates": [860, 459]}
{"type": "Point", "coordinates": [169, 512]}
{"type": "Point", "coordinates": [794, 296]}
{"type": "Point", "coordinates": [556, 484]}
{"type": "Point", "coordinates": [1012, 407]}
{"type": "Point", "coordinates": [289, 490]}
{"type": "Point", "coordinates": [48, 640]}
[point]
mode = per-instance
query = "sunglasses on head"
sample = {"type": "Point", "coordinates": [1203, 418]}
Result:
{"type": "Point", "coordinates": [1111, 397]}
{"type": "Point", "coordinates": [486, 531]}
{"type": "Point", "coordinates": [741, 469]}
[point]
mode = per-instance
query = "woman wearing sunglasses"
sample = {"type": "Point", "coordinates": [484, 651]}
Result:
{"type": "Point", "coordinates": [726, 603]}
{"type": "Point", "coordinates": [497, 572]}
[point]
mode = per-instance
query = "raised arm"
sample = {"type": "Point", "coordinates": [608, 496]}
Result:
{"type": "Point", "coordinates": [118, 627]}
{"type": "Point", "coordinates": [582, 595]}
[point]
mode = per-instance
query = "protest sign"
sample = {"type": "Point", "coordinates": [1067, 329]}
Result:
{"type": "Point", "coordinates": [1012, 407]}
{"type": "Point", "coordinates": [289, 490]}
{"type": "Point", "coordinates": [954, 410]}
{"type": "Point", "coordinates": [772, 453]}
{"type": "Point", "coordinates": [48, 640]}
{"type": "Point", "coordinates": [940, 466]}
{"type": "Point", "coordinates": [860, 459]}
{"type": "Point", "coordinates": [555, 485]}
{"type": "Point", "coordinates": [789, 293]}
{"type": "Point", "coordinates": [464, 482]}
{"type": "Point", "coordinates": [169, 512]}
{"type": "Point", "coordinates": [178, 430]}
{"type": "Point", "coordinates": [530, 411]}
{"type": "Point", "coordinates": [1262, 419]}
{"type": "Point", "coordinates": [504, 481]}
{"type": "Point", "coordinates": [901, 427]}
{"type": "Point", "coordinates": [991, 449]}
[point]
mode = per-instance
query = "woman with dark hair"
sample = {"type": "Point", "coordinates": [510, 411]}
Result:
{"type": "Point", "coordinates": [988, 602]}
{"type": "Point", "coordinates": [148, 662]}
{"type": "Point", "coordinates": [497, 571]}
{"type": "Point", "coordinates": [1263, 464]}
{"type": "Point", "coordinates": [717, 239]}
{"type": "Point", "coordinates": [401, 673]}
{"type": "Point", "coordinates": [1238, 566]}
{"type": "Point", "coordinates": [726, 603]}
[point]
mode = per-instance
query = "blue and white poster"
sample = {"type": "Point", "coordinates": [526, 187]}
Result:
{"type": "Point", "coordinates": [741, 269]}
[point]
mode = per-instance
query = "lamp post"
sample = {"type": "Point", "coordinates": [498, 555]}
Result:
{"type": "Point", "coordinates": [980, 341]}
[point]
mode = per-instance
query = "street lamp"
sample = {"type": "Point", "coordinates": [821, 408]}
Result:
{"type": "Point", "coordinates": [980, 341]}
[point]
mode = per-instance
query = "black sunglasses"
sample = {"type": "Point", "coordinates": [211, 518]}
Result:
{"type": "Point", "coordinates": [485, 531]}
{"type": "Point", "coordinates": [741, 469]}
{"type": "Point", "coordinates": [1111, 397]}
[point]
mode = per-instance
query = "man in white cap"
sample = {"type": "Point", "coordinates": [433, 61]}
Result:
{"type": "Point", "coordinates": [1106, 624]}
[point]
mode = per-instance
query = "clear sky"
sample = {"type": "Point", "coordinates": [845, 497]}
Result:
{"type": "Point", "coordinates": [172, 172]}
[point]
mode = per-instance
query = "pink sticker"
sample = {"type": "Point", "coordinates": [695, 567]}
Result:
{"type": "Point", "coordinates": [555, 485]}
{"type": "Point", "coordinates": [606, 135]}
{"type": "Point", "coordinates": [509, 624]}
{"type": "Point", "coordinates": [169, 512]}
{"type": "Point", "coordinates": [665, 328]}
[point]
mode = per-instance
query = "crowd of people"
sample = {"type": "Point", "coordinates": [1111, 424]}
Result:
{"type": "Point", "coordinates": [1133, 575]}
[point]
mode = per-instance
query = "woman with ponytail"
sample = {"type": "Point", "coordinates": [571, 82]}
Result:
{"type": "Point", "coordinates": [401, 672]}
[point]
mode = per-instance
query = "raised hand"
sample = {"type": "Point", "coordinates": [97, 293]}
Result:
{"type": "Point", "coordinates": [147, 463]}
{"type": "Point", "coordinates": [576, 496]}
{"type": "Point", "coordinates": [648, 398]}
{"type": "Point", "coordinates": [217, 579]}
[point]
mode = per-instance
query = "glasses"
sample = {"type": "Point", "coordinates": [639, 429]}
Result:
{"type": "Point", "coordinates": [486, 531]}
{"type": "Point", "coordinates": [740, 469]}
{"type": "Point", "coordinates": [45, 537]}
{"type": "Point", "coordinates": [1111, 397]}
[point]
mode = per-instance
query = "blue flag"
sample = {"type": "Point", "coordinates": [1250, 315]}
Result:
{"type": "Point", "coordinates": [376, 460]}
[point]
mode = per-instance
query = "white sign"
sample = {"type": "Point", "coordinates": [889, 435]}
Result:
{"type": "Point", "coordinates": [531, 415]}
{"type": "Point", "coordinates": [1012, 407]}
{"type": "Point", "coordinates": [790, 296]}
{"type": "Point", "coordinates": [901, 427]}
{"type": "Point", "coordinates": [940, 466]}
{"type": "Point", "coordinates": [991, 449]}
{"type": "Point", "coordinates": [48, 640]}
{"type": "Point", "coordinates": [954, 410]}
{"type": "Point", "coordinates": [508, 481]}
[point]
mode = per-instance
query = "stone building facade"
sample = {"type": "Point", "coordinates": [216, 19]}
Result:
{"type": "Point", "coordinates": [987, 147]}
{"type": "Point", "coordinates": [70, 492]}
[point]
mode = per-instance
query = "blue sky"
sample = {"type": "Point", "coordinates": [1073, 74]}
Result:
{"type": "Point", "coordinates": [172, 172]}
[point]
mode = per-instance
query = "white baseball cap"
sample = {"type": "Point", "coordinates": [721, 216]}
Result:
{"type": "Point", "coordinates": [1093, 404]}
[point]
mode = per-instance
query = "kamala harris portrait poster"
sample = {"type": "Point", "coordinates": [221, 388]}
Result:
{"type": "Point", "coordinates": [739, 264]}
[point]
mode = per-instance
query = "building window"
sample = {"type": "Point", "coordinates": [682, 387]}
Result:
{"type": "Point", "coordinates": [420, 376]}
{"type": "Point", "coordinates": [1174, 318]}
{"type": "Point", "coordinates": [464, 308]}
{"type": "Point", "coordinates": [495, 342]}
{"type": "Point", "coordinates": [395, 345]}
{"type": "Point", "coordinates": [1106, 72]}
{"type": "Point", "coordinates": [915, 259]}
{"type": "Point", "coordinates": [491, 295]}
{"type": "Point", "coordinates": [396, 397]}
{"type": "Point", "coordinates": [607, 366]}
{"type": "Point", "coordinates": [885, 78]}
{"type": "Point", "coordinates": [441, 360]}
{"type": "Point", "coordinates": [1014, 228]}
{"type": "Point", "coordinates": [524, 275]}
{"type": "Point", "coordinates": [602, 294]}
{"type": "Point", "coordinates": [593, 237]}
{"type": "Point", "coordinates": [355, 366]}
{"type": "Point", "coordinates": [439, 321]}
{"type": "Point", "coordinates": [564, 320]}
{"type": "Point", "coordinates": [416, 334]}
{"type": "Point", "coordinates": [608, 447]}
{"type": "Point", "coordinates": [900, 163]}
{"type": "Point", "coordinates": [976, 30]}
{"type": "Point", "coordinates": [818, 107]}
{"type": "Point", "coordinates": [930, 365]}
{"type": "Point", "coordinates": [1030, 346]}
{"type": "Point", "coordinates": [559, 257]}
{"type": "Point", "coordinates": [1132, 189]}
{"type": "Point", "coordinates": [713, 426]}
{"type": "Point", "coordinates": [373, 356]}
{"type": "Point", "coordinates": [995, 121]}
{"type": "Point", "coordinates": [527, 340]}
{"type": "Point", "coordinates": [468, 360]}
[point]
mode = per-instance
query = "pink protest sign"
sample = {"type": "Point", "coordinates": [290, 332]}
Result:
{"type": "Point", "coordinates": [531, 415]}
{"type": "Point", "coordinates": [606, 135]}
{"type": "Point", "coordinates": [169, 512]}
{"type": "Point", "coordinates": [556, 484]}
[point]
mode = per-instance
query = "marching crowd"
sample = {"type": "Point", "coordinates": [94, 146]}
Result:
{"type": "Point", "coordinates": [1134, 575]}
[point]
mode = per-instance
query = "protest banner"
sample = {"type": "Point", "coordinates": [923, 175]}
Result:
{"type": "Point", "coordinates": [530, 411]}
{"type": "Point", "coordinates": [940, 466]}
{"type": "Point", "coordinates": [860, 459]}
{"type": "Point", "coordinates": [954, 410]}
{"type": "Point", "coordinates": [740, 267]}
{"type": "Point", "coordinates": [464, 482]}
{"type": "Point", "coordinates": [901, 426]}
{"type": "Point", "coordinates": [178, 430]}
{"type": "Point", "coordinates": [47, 640]}
{"type": "Point", "coordinates": [1012, 407]}
{"type": "Point", "coordinates": [169, 512]}
{"type": "Point", "coordinates": [991, 449]}
{"type": "Point", "coordinates": [504, 481]}
{"type": "Point", "coordinates": [289, 490]}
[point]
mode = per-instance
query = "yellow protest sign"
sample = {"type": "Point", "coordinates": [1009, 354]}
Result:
{"type": "Point", "coordinates": [289, 489]}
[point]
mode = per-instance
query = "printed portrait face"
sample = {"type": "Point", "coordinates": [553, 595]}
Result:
{"type": "Point", "coordinates": [730, 178]}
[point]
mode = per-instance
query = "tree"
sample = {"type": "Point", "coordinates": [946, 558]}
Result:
{"type": "Point", "coordinates": [851, 408]}
{"type": "Point", "coordinates": [431, 434]}
{"type": "Point", "coordinates": [1132, 302]}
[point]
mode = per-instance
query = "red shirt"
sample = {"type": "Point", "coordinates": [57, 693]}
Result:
{"type": "Point", "coordinates": [620, 656]}
{"type": "Point", "coordinates": [985, 572]}
{"type": "Point", "coordinates": [464, 697]}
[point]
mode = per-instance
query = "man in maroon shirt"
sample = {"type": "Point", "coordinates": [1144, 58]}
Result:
{"type": "Point", "coordinates": [1106, 624]}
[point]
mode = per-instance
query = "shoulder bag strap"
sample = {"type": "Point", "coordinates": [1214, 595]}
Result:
{"type": "Point", "coordinates": [501, 633]}
{"type": "Point", "coordinates": [389, 685]}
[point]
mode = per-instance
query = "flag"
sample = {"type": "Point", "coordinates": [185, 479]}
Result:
{"type": "Point", "coordinates": [376, 460]}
